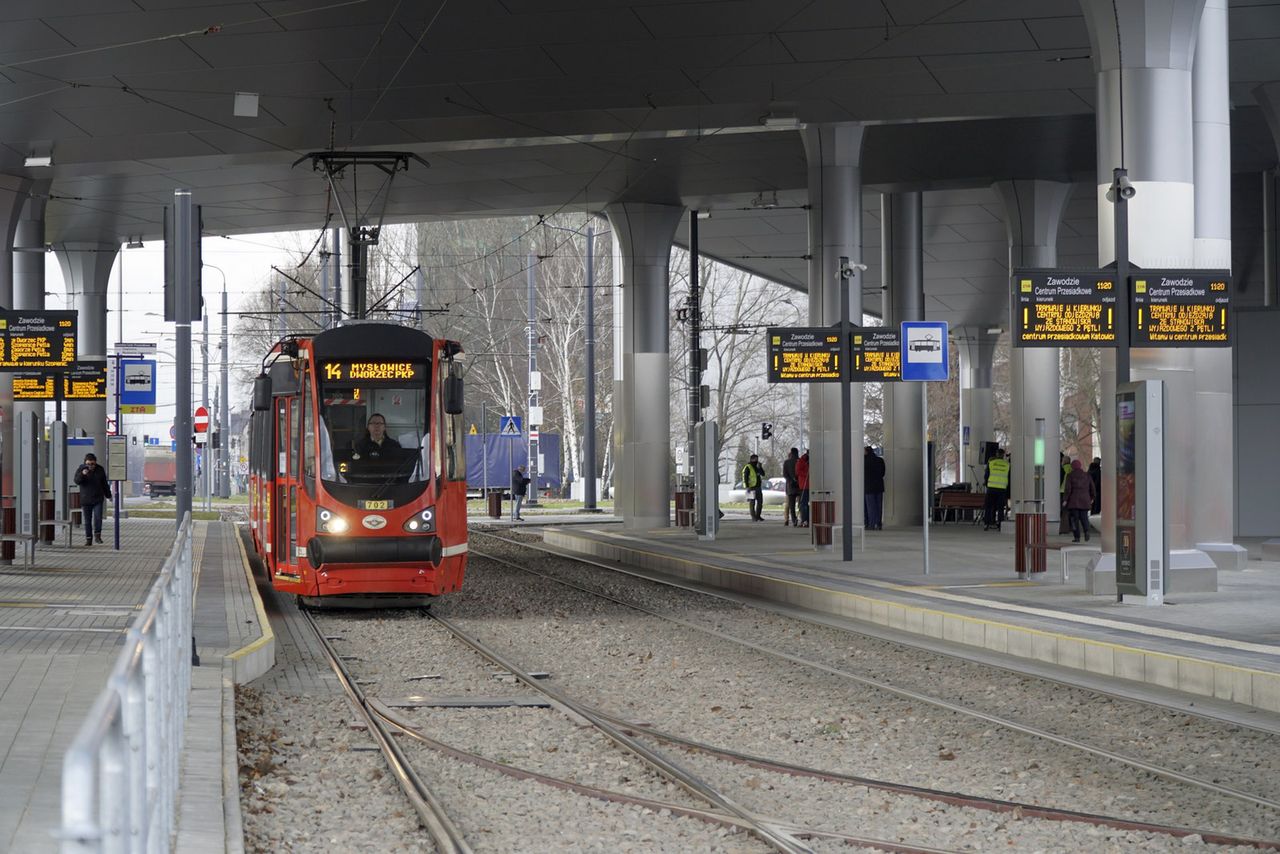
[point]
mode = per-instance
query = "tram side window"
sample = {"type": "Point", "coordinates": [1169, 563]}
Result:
{"type": "Point", "coordinates": [451, 459]}
{"type": "Point", "coordinates": [308, 435]}
{"type": "Point", "coordinates": [295, 421]}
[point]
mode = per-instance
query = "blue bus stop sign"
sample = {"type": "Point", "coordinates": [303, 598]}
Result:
{"type": "Point", "coordinates": [925, 353]}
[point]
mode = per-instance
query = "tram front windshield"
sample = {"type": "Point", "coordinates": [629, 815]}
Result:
{"type": "Point", "coordinates": [373, 423]}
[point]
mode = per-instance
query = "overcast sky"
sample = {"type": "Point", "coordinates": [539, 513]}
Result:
{"type": "Point", "coordinates": [245, 261]}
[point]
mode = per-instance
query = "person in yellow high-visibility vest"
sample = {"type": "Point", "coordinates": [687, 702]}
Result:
{"type": "Point", "coordinates": [753, 481]}
{"type": "Point", "coordinates": [997, 491]}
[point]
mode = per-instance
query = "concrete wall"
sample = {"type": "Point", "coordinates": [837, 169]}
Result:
{"type": "Point", "coordinates": [1257, 423]}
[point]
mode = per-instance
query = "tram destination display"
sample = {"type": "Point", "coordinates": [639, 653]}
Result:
{"type": "Point", "coordinates": [372, 372]}
{"type": "Point", "coordinates": [1180, 308]}
{"type": "Point", "coordinates": [1061, 308]}
{"type": "Point", "coordinates": [37, 339]}
{"type": "Point", "coordinates": [877, 354]}
{"type": "Point", "coordinates": [803, 354]}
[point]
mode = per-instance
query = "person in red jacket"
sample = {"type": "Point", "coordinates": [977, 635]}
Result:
{"type": "Point", "coordinates": [802, 480]}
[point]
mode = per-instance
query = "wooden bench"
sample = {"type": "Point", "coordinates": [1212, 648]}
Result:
{"type": "Point", "coordinates": [953, 502]}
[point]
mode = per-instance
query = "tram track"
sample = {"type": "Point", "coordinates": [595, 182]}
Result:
{"type": "Point", "coordinates": [431, 811]}
{"type": "Point", "coordinates": [1174, 775]}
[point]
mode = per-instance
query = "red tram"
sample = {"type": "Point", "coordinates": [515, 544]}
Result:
{"type": "Point", "coordinates": [357, 475]}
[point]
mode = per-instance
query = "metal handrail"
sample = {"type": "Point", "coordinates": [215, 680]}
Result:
{"type": "Point", "coordinates": [120, 775]}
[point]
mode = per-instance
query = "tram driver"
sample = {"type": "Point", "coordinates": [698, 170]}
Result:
{"type": "Point", "coordinates": [376, 443]}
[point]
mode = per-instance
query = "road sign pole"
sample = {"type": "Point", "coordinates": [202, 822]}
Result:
{"type": "Point", "coordinates": [846, 279]}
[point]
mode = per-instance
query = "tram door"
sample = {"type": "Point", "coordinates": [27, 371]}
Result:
{"type": "Point", "coordinates": [280, 498]}
{"type": "Point", "coordinates": [288, 421]}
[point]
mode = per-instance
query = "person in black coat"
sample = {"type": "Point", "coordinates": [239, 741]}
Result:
{"type": "Point", "coordinates": [1095, 474]}
{"type": "Point", "coordinates": [94, 490]}
{"type": "Point", "coordinates": [873, 490]}
{"type": "Point", "coordinates": [519, 489]}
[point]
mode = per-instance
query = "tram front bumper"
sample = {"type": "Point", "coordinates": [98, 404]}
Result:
{"type": "Point", "coordinates": [374, 550]}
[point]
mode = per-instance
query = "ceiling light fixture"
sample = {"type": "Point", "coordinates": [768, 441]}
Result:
{"type": "Point", "coordinates": [38, 160]}
{"type": "Point", "coordinates": [246, 105]}
{"type": "Point", "coordinates": [781, 121]}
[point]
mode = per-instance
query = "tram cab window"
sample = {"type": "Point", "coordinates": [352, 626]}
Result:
{"type": "Point", "coordinates": [351, 453]}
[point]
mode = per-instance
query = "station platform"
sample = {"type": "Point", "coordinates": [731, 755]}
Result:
{"type": "Point", "coordinates": [1222, 646]}
{"type": "Point", "coordinates": [62, 625]}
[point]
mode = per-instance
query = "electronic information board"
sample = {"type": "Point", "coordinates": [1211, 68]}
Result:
{"type": "Point", "coordinates": [82, 381]}
{"type": "Point", "coordinates": [1060, 308]}
{"type": "Point", "coordinates": [803, 354]}
{"type": "Point", "coordinates": [877, 354]}
{"type": "Point", "coordinates": [37, 339]}
{"type": "Point", "coordinates": [35, 385]}
{"type": "Point", "coordinates": [85, 381]}
{"type": "Point", "coordinates": [1180, 308]}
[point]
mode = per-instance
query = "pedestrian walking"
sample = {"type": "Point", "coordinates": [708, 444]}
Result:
{"type": "Point", "coordinates": [793, 487]}
{"type": "Point", "coordinates": [519, 489]}
{"type": "Point", "coordinates": [753, 481]}
{"type": "Point", "coordinates": [873, 470]}
{"type": "Point", "coordinates": [1079, 500]}
{"type": "Point", "coordinates": [94, 490]}
{"type": "Point", "coordinates": [997, 491]}
{"type": "Point", "coordinates": [1064, 469]}
{"type": "Point", "coordinates": [802, 478]}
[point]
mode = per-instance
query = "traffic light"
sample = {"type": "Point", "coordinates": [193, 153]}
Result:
{"type": "Point", "coordinates": [766, 430]}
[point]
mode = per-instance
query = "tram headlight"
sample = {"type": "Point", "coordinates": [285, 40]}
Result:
{"type": "Point", "coordinates": [329, 522]}
{"type": "Point", "coordinates": [423, 522]}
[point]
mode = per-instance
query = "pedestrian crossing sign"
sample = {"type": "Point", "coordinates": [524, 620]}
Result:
{"type": "Point", "coordinates": [509, 425]}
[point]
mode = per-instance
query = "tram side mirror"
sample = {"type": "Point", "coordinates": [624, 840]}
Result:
{"type": "Point", "coordinates": [262, 393]}
{"type": "Point", "coordinates": [453, 394]}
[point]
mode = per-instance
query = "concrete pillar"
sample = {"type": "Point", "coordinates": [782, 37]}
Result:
{"type": "Point", "coordinates": [1033, 212]}
{"type": "Point", "coordinates": [902, 217]}
{"type": "Point", "coordinates": [977, 348]}
{"type": "Point", "coordinates": [1158, 150]}
{"type": "Point", "coordinates": [834, 154]}
{"type": "Point", "coordinates": [86, 268]}
{"type": "Point", "coordinates": [643, 398]}
{"type": "Point", "coordinates": [14, 193]}
{"type": "Point", "coordinates": [1211, 514]}
{"type": "Point", "coordinates": [28, 267]}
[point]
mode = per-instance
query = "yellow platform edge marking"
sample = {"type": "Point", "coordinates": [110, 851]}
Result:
{"type": "Point", "coordinates": [268, 635]}
{"type": "Point", "coordinates": [1102, 644]}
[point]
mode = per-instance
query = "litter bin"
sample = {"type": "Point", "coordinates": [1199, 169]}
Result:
{"type": "Point", "coordinates": [9, 548]}
{"type": "Point", "coordinates": [1029, 543]}
{"type": "Point", "coordinates": [74, 504]}
{"type": "Point", "coordinates": [822, 518]}
{"type": "Point", "coordinates": [684, 508]}
{"type": "Point", "coordinates": [46, 515]}
{"type": "Point", "coordinates": [495, 503]}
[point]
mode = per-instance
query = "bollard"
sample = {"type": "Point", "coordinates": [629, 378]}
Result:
{"type": "Point", "coordinates": [684, 508]}
{"type": "Point", "coordinates": [822, 519]}
{"type": "Point", "coordinates": [1029, 543]}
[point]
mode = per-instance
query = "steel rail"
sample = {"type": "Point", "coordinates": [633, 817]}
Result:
{"type": "Point", "coordinates": [710, 816]}
{"type": "Point", "coordinates": [941, 795]}
{"type": "Point", "coordinates": [987, 717]}
{"type": "Point", "coordinates": [446, 835]}
{"type": "Point", "coordinates": [768, 831]}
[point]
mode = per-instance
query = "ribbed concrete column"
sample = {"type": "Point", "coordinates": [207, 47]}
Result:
{"type": "Point", "coordinates": [13, 196]}
{"type": "Point", "coordinates": [834, 154]}
{"type": "Point", "coordinates": [1158, 45]}
{"type": "Point", "coordinates": [902, 216]}
{"type": "Point", "coordinates": [977, 349]}
{"type": "Point", "coordinates": [1033, 212]}
{"type": "Point", "coordinates": [1211, 515]}
{"type": "Point", "coordinates": [86, 268]}
{"type": "Point", "coordinates": [644, 233]}
{"type": "Point", "coordinates": [28, 267]}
